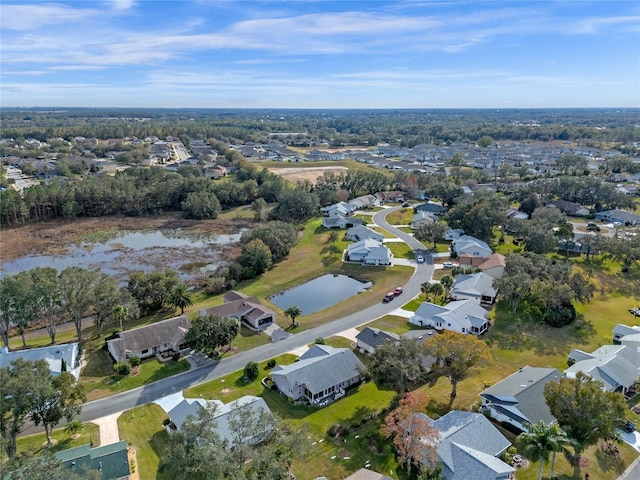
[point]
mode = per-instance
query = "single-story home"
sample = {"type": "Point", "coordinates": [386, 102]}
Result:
{"type": "Point", "coordinates": [453, 233]}
{"type": "Point", "coordinates": [421, 218]}
{"type": "Point", "coordinates": [570, 208]}
{"type": "Point", "coordinates": [470, 447]}
{"type": "Point", "coordinates": [477, 287]}
{"type": "Point", "coordinates": [320, 375]}
{"type": "Point", "coordinates": [364, 202]}
{"type": "Point", "coordinates": [110, 461]}
{"type": "Point", "coordinates": [369, 338]}
{"type": "Point", "coordinates": [619, 216]}
{"type": "Point", "coordinates": [518, 399]}
{"type": "Point", "coordinates": [493, 265]}
{"type": "Point", "coordinates": [223, 413]}
{"type": "Point", "coordinates": [341, 208]}
{"type": "Point", "coordinates": [620, 331]}
{"type": "Point", "coordinates": [61, 358]}
{"type": "Point", "coordinates": [246, 309]}
{"type": "Point", "coordinates": [369, 252]}
{"type": "Point", "coordinates": [463, 316]}
{"type": "Point", "coordinates": [468, 245]}
{"type": "Point", "coordinates": [150, 340]}
{"type": "Point", "coordinates": [616, 366]}
{"type": "Point", "coordinates": [431, 208]}
{"type": "Point", "coordinates": [392, 196]}
{"type": "Point", "coordinates": [340, 221]}
{"type": "Point", "coordinates": [517, 214]}
{"type": "Point", "coordinates": [360, 232]}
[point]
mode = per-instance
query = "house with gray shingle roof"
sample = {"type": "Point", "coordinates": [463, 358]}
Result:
{"type": "Point", "coordinates": [620, 331]}
{"type": "Point", "coordinates": [477, 287]}
{"type": "Point", "coordinates": [369, 338]}
{"type": "Point", "coordinates": [320, 375]}
{"type": "Point", "coordinates": [421, 218]}
{"type": "Point", "coordinates": [518, 399]}
{"type": "Point", "coordinates": [247, 310]}
{"type": "Point", "coordinates": [59, 357]}
{"type": "Point", "coordinates": [468, 245]}
{"type": "Point", "coordinates": [369, 252]}
{"type": "Point", "coordinates": [462, 316]}
{"type": "Point", "coordinates": [616, 366]}
{"type": "Point", "coordinates": [470, 447]}
{"type": "Point", "coordinates": [150, 340]}
{"type": "Point", "coordinates": [619, 216]}
{"type": "Point", "coordinates": [360, 232]}
{"type": "Point", "coordinates": [223, 415]}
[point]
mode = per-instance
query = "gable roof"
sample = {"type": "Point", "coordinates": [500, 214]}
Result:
{"type": "Point", "coordinates": [321, 367]}
{"type": "Point", "coordinates": [374, 336]}
{"type": "Point", "coordinates": [469, 445]}
{"type": "Point", "coordinates": [465, 313]}
{"type": "Point", "coordinates": [520, 395]}
{"type": "Point", "coordinates": [244, 307]}
{"type": "Point", "coordinates": [467, 242]}
{"type": "Point", "coordinates": [53, 355]}
{"type": "Point", "coordinates": [169, 331]}
{"type": "Point", "coordinates": [492, 261]}
{"type": "Point", "coordinates": [111, 460]}
{"type": "Point", "coordinates": [614, 365]}
{"type": "Point", "coordinates": [477, 284]}
{"type": "Point", "coordinates": [361, 232]}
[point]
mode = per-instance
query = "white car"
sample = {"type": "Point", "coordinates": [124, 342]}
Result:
{"type": "Point", "coordinates": [448, 265]}
{"type": "Point", "coordinates": [420, 259]}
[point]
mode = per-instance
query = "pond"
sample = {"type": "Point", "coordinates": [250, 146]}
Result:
{"type": "Point", "coordinates": [320, 293]}
{"type": "Point", "coordinates": [125, 252]}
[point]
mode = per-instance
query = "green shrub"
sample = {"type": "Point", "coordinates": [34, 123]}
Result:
{"type": "Point", "coordinates": [122, 369]}
{"type": "Point", "coordinates": [251, 370]}
{"type": "Point", "coordinates": [320, 341]}
{"type": "Point", "coordinates": [271, 363]}
{"type": "Point", "coordinates": [134, 360]}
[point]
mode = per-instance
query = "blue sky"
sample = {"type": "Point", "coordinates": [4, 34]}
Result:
{"type": "Point", "coordinates": [318, 54]}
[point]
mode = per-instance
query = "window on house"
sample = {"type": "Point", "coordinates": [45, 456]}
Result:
{"type": "Point", "coordinates": [145, 351]}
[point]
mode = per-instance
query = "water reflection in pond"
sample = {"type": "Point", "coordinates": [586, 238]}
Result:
{"type": "Point", "coordinates": [320, 293]}
{"type": "Point", "coordinates": [130, 251]}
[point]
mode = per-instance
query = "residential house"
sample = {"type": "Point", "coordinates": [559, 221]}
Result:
{"type": "Point", "coordinates": [61, 358]}
{"type": "Point", "coordinates": [518, 399]}
{"type": "Point", "coordinates": [628, 190]}
{"type": "Point", "coordinates": [215, 171]}
{"type": "Point", "coordinates": [369, 338]}
{"type": "Point", "coordinates": [320, 375]}
{"type": "Point", "coordinates": [369, 252]}
{"type": "Point", "coordinates": [621, 331]}
{"type": "Point", "coordinates": [421, 218]}
{"type": "Point", "coordinates": [466, 244]}
{"type": "Point", "coordinates": [477, 287]}
{"type": "Point", "coordinates": [453, 233]}
{"type": "Point", "coordinates": [393, 196]}
{"type": "Point", "coordinates": [340, 221]}
{"type": "Point", "coordinates": [470, 447]}
{"type": "Point", "coordinates": [150, 340]}
{"type": "Point", "coordinates": [360, 232]}
{"type": "Point", "coordinates": [341, 208]}
{"type": "Point", "coordinates": [365, 202]}
{"type": "Point", "coordinates": [569, 208]}
{"type": "Point", "coordinates": [619, 216]}
{"type": "Point", "coordinates": [431, 208]}
{"type": "Point", "coordinates": [367, 474]}
{"type": "Point", "coordinates": [110, 461]}
{"type": "Point", "coordinates": [493, 265]}
{"type": "Point", "coordinates": [616, 366]}
{"type": "Point", "coordinates": [246, 309]}
{"type": "Point", "coordinates": [517, 214]}
{"type": "Point", "coordinates": [464, 316]}
{"type": "Point", "coordinates": [222, 414]}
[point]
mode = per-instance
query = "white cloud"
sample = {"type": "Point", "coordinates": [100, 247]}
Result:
{"type": "Point", "coordinates": [122, 4]}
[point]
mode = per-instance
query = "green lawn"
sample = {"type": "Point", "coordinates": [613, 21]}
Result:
{"type": "Point", "coordinates": [400, 250]}
{"type": "Point", "coordinates": [90, 433]}
{"type": "Point", "coordinates": [150, 371]}
{"type": "Point", "coordinates": [142, 428]}
{"type": "Point", "coordinates": [404, 216]}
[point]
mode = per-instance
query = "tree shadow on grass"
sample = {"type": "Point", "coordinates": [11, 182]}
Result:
{"type": "Point", "coordinates": [610, 463]}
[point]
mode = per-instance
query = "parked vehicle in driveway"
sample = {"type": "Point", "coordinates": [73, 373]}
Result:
{"type": "Point", "coordinates": [397, 291]}
{"type": "Point", "coordinates": [447, 265]}
{"type": "Point", "coordinates": [388, 297]}
{"type": "Point", "coordinates": [629, 427]}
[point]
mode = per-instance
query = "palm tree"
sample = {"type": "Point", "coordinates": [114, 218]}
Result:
{"type": "Point", "coordinates": [180, 297]}
{"type": "Point", "coordinates": [541, 439]}
{"type": "Point", "coordinates": [120, 312]}
{"type": "Point", "coordinates": [292, 312]}
{"type": "Point", "coordinates": [446, 282]}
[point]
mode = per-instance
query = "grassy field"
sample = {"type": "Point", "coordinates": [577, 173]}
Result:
{"type": "Point", "coordinates": [142, 428]}
{"type": "Point", "coordinates": [404, 216]}
{"type": "Point", "coordinates": [90, 433]}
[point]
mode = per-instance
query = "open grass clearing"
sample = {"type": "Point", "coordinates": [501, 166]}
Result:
{"type": "Point", "coordinates": [400, 250]}
{"type": "Point", "coordinates": [404, 216]}
{"type": "Point", "coordinates": [142, 428]}
{"type": "Point", "coordinates": [37, 443]}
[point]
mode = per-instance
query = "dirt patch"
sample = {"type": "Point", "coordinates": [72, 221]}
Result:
{"type": "Point", "coordinates": [225, 390]}
{"type": "Point", "coordinates": [55, 237]}
{"type": "Point", "coordinates": [133, 464]}
{"type": "Point", "coordinates": [300, 174]}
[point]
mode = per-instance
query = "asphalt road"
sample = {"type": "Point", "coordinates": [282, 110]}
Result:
{"type": "Point", "coordinates": [212, 370]}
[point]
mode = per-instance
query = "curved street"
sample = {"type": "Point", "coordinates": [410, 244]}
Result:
{"type": "Point", "coordinates": [212, 370]}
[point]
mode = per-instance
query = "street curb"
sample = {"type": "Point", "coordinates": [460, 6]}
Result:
{"type": "Point", "coordinates": [629, 468]}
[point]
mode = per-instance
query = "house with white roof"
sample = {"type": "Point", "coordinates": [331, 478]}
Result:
{"type": "Point", "coordinates": [61, 358]}
{"type": "Point", "coordinates": [365, 202]}
{"type": "Point", "coordinates": [470, 447]}
{"type": "Point", "coordinates": [468, 245]}
{"type": "Point", "coordinates": [223, 415]}
{"type": "Point", "coordinates": [369, 252]}
{"type": "Point", "coordinates": [616, 366]}
{"type": "Point", "coordinates": [621, 331]}
{"type": "Point", "coordinates": [463, 316]}
{"type": "Point", "coordinates": [518, 399]}
{"type": "Point", "coordinates": [477, 287]}
{"type": "Point", "coordinates": [360, 232]}
{"type": "Point", "coordinates": [341, 208]}
{"type": "Point", "coordinates": [421, 218]}
{"type": "Point", "coordinates": [320, 375]}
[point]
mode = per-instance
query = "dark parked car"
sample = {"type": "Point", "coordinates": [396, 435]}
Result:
{"type": "Point", "coordinates": [397, 291]}
{"type": "Point", "coordinates": [629, 427]}
{"type": "Point", "coordinates": [388, 297]}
